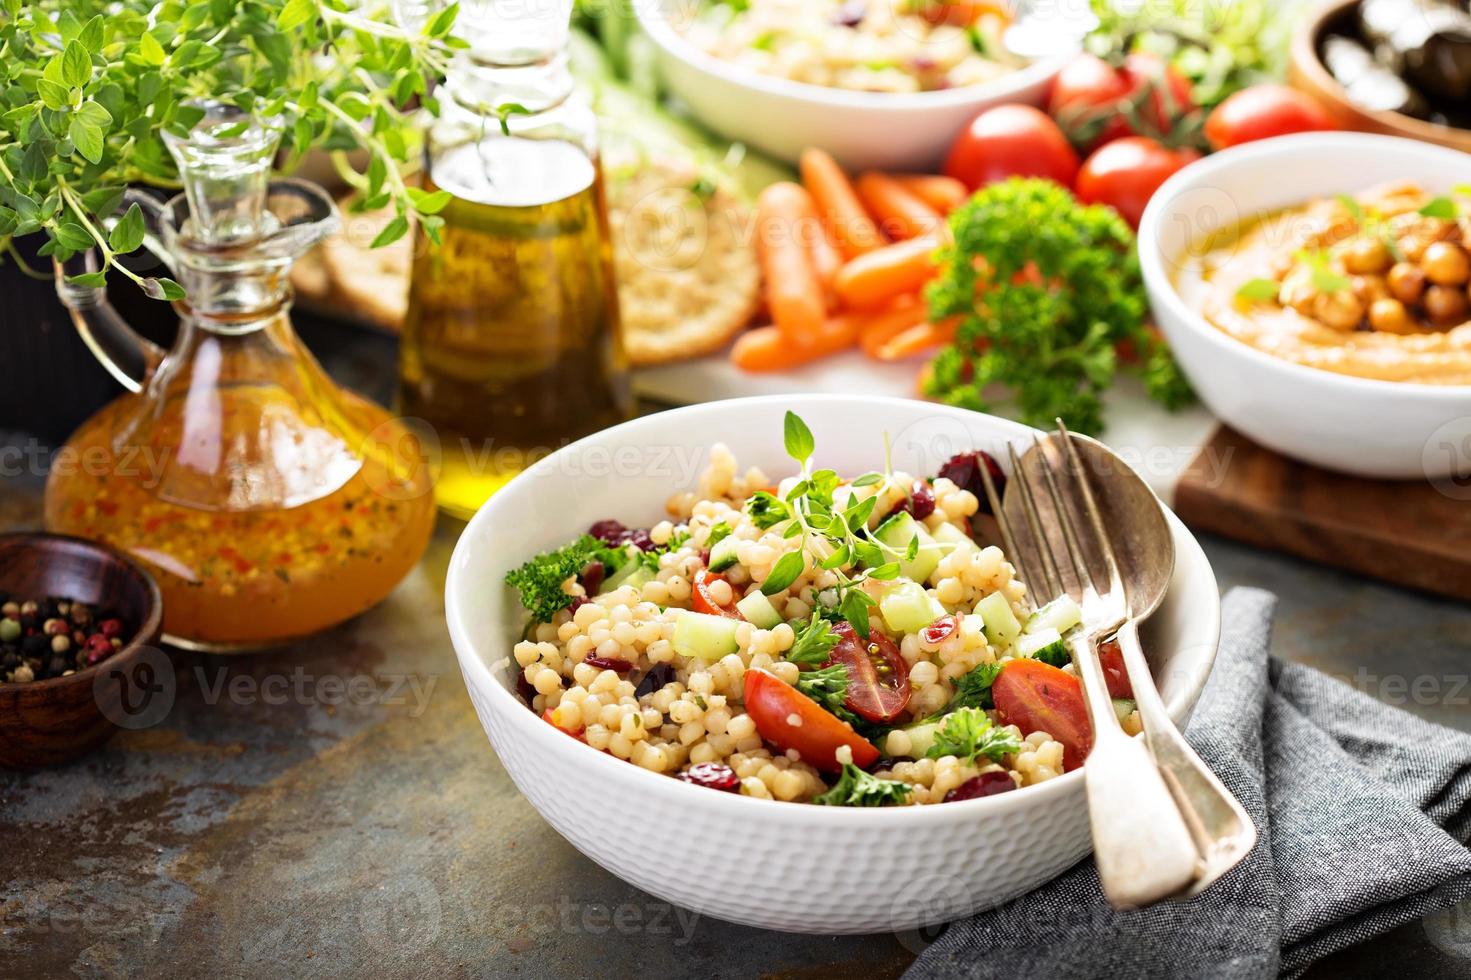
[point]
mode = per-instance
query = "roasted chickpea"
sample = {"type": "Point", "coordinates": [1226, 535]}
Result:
{"type": "Point", "coordinates": [1366, 256]}
{"type": "Point", "coordinates": [1369, 288]}
{"type": "Point", "coordinates": [1407, 282]}
{"type": "Point", "coordinates": [1446, 264]}
{"type": "Point", "coordinates": [1340, 310]}
{"type": "Point", "coordinates": [1390, 316]}
{"type": "Point", "coordinates": [1446, 305]}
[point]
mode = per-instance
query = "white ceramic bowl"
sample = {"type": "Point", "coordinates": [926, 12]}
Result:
{"type": "Point", "coordinates": [863, 130]}
{"type": "Point", "coordinates": [788, 866]}
{"type": "Point", "coordinates": [1355, 425]}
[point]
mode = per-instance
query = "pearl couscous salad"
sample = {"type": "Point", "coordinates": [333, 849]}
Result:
{"type": "Point", "coordinates": [828, 639]}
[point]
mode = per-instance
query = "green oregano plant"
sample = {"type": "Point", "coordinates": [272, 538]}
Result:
{"type": "Point", "coordinates": [87, 89]}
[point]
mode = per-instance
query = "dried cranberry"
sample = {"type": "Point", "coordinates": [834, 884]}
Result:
{"type": "Point", "coordinates": [654, 679]}
{"type": "Point", "coordinates": [616, 664]}
{"type": "Point", "coordinates": [963, 470]}
{"type": "Point", "coordinates": [640, 539]}
{"type": "Point", "coordinates": [986, 784]}
{"type": "Point", "coordinates": [524, 688]}
{"type": "Point", "coordinates": [713, 775]}
{"type": "Point", "coordinates": [850, 14]}
{"type": "Point", "coordinates": [919, 504]}
{"type": "Point", "coordinates": [609, 532]}
{"type": "Point", "coordinates": [592, 576]}
{"type": "Point", "coordinates": [936, 633]}
{"type": "Point", "coordinates": [111, 627]}
{"type": "Point", "coordinates": [578, 601]}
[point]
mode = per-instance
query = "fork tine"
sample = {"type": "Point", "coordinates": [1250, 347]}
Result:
{"type": "Point", "coordinates": [1069, 534]}
{"type": "Point", "coordinates": [1008, 540]}
{"type": "Point", "coordinates": [1034, 525]}
{"type": "Point", "coordinates": [1100, 532]}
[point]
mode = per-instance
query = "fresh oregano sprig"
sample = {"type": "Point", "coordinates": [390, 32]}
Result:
{"type": "Point", "coordinates": [87, 95]}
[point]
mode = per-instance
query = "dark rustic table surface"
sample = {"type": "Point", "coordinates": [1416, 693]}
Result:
{"type": "Point", "coordinates": [335, 807]}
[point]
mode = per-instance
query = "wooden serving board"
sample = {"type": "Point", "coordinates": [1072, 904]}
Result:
{"type": "Point", "coordinates": [1402, 531]}
{"type": "Point", "coordinates": [1217, 481]}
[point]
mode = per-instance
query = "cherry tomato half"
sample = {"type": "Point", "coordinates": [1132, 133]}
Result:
{"type": "Point", "coordinates": [1125, 174]}
{"type": "Point", "coordinates": [1263, 111]}
{"type": "Point", "coordinates": [878, 677]}
{"type": "Point", "coordinates": [961, 13]}
{"type": "Point", "coordinates": [1038, 697]}
{"type": "Point", "coordinates": [1011, 141]}
{"type": "Point", "coordinates": [1114, 671]}
{"type": "Point", "coordinates": [1095, 103]}
{"type": "Point", "coordinates": [700, 596]}
{"type": "Point", "coordinates": [546, 716]}
{"type": "Point", "coordinates": [817, 734]}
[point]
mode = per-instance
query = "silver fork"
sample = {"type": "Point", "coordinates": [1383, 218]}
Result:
{"type": "Point", "coordinates": [1142, 845]}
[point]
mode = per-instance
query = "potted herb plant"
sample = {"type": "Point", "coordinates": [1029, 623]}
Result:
{"type": "Point", "coordinates": [90, 91]}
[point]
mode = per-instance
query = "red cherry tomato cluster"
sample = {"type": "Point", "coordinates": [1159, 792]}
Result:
{"type": "Point", "coordinates": [1135, 123]}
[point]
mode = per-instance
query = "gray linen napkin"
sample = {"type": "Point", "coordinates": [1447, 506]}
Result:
{"type": "Point", "coordinates": [1363, 813]}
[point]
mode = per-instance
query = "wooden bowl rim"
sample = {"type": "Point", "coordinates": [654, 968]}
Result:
{"type": "Point", "coordinates": [148, 631]}
{"type": "Point", "coordinates": [1304, 56]}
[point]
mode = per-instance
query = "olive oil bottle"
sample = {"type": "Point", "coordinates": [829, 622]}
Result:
{"type": "Point", "coordinates": [511, 344]}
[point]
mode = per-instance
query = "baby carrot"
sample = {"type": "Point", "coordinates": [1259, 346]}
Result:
{"type": "Point", "coordinates": [848, 223]}
{"type": "Point", "coordinates": [766, 349]}
{"type": "Point", "coordinates": [942, 193]}
{"type": "Point", "coordinates": [899, 213]}
{"type": "Point", "coordinates": [880, 327]}
{"type": "Point", "coordinates": [826, 261]}
{"type": "Point", "coordinates": [918, 339]}
{"type": "Point", "coordinates": [784, 218]}
{"type": "Point", "coordinates": [870, 280]}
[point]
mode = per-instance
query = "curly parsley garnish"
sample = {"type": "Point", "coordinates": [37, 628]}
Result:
{"type": "Point", "coordinates": [1046, 289]}
{"type": "Point", "coordinates": [540, 580]}
{"type": "Point", "coordinates": [973, 690]}
{"type": "Point", "coordinates": [858, 788]}
{"type": "Point", "coordinates": [813, 643]}
{"type": "Point", "coordinates": [968, 734]}
{"type": "Point", "coordinates": [828, 686]}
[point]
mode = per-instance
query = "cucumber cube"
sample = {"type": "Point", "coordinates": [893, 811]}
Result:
{"type": "Point", "coordinates": [999, 621]}
{"type": "Point", "coordinates": [704, 637]}
{"type": "Point", "coordinates": [897, 532]}
{"type": "Point", "coordinates": [759, 611]}
{"type": "Point", "coordinates": [908, 608]}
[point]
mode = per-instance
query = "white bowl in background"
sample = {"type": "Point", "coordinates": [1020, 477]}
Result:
{"type": "Point", "coordinates": [863, 130]}
{"type": "Point", "coordinates": [1362, 426]}
{"type": "Point", "coordinates": [789, 866]}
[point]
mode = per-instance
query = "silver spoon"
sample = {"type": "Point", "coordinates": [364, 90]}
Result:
{"type": "Point", "coordinates": [1138, 535]}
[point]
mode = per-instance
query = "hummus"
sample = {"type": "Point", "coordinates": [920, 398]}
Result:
{"type": "Point", "coordinates": [1375, 286]}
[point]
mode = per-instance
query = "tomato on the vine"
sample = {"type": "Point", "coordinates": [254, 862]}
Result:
{"type": "Point", "coordinates": [1011, 141]}
{"type": "Point", "coordinates": [789, 719]}
{"type": "Point", "coordinates": [878, 677]}
{"type": "Point", "coordinates": [1125, 174]}
{"type": "Point", "coordinates": [1263, 111]}
{"type": "Point", "coordinates": [1095, 102]}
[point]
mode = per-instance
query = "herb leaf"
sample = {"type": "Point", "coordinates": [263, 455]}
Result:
{"type": "Point", "coordinates": [968, 734]}
{"type": "Point", "coordinates": [539, 581]}
{"type": "Point", "coordinates": [828, 686]}
{"type": "Point", "coordinates": [858, 788]}
{"type": "Point", "coordinates": [798, 437]}
{"type": "Point", "coordinates": [1259, 290]}
{"type": "Point", "coordinates": [784, 572]}
{"type": "Point", "coordinates": [1440, 207]}
{"type": "Point", "coordinates": [813, 644]}
{"type": "Point", "coordinates": [973, 690]}
{"type": "Point", "coordinates": [767, 510]}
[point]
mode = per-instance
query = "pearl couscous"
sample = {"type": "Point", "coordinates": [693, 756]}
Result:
{"type": "Point", "coordinates": [725, 644]}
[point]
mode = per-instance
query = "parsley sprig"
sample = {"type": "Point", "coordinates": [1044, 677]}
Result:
{"type": "Point", "coordinates": [1046, 290]}
{"type": "Point", "coordinates": [968, 734]}
{"type": "Point", "coordinates": [858, 788]}
{"type": "Point", "coordinates": [86, 97]}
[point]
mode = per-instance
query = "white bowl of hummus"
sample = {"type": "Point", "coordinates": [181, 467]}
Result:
{"type": "Point", "coordinates": [1317, 291]}
{"type": "Point", "coordinates": [876, 84]}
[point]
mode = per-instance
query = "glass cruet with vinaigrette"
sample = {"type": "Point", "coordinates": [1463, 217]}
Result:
{"type": "Point", "coordinates": [511, 343]}
{"type": "Point", "coordinates": [268, 503]}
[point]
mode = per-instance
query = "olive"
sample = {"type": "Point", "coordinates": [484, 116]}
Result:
{"type": "Point", "coordinates": [1446, 264]}
{"type": "Point", "coordinates": [1390, 316]}
{"type": "Point", "coordinates": [1366, 256]}
{"type": "Point", "coordinates": [1445, 305]}
{"type": "Point", "coordinates": [1340, 310]}
{"type": "Point", "coordinates": [1407, 282]}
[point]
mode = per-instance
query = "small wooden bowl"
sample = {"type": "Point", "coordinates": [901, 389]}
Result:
{"type": "Point", "coordinates": [45, 723]}
{"type": "Point", "coordinates": [1307, 72]}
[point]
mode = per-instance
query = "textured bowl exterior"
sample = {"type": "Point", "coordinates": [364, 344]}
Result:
{"type": "Point", "coordinates": [734, 857]}
{"type": "Point", "coordinates": [863, 130]}
{"type": "Point", "coordinates": [1370, 428]}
